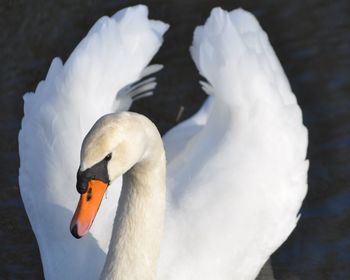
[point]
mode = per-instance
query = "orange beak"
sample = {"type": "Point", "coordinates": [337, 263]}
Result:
{"type": "Point", "coordinates": [88, 206]}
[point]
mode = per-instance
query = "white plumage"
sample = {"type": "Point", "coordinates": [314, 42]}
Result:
{"type": "Point", "coordinates": [57, 117]}
{"type": "Point", "coordinates": [237, 179]}
{"type": "Point", "coordinates": [236, 170]}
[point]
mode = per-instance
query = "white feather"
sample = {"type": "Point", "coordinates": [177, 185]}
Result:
{"type": "Point", "coordinates": [236, 170]}
{"type": "Point", "coordinates": [237, 173]}
{"type": "Point", "coordinates": [114, 54]}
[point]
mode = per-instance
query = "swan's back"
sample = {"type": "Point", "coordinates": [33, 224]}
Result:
{"type": "Point", "coordinates": [238, 178]}
{"type": "Point", "coordinates": [93, 82]}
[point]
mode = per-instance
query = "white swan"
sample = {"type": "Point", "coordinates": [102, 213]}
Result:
{"type": "Point", "coordinates": [236, 173]}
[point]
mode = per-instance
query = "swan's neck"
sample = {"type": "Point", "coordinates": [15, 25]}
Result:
{"type": "Point", "coordinates": [135, 243]}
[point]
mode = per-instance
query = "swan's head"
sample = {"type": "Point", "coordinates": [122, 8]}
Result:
{"type": "Point", "coordinates": [114, 144]}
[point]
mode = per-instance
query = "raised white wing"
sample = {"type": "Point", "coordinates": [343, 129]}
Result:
{"type": "Point", "coordinates": [94, 81]}
{"type": "Point", "coordinates": [236, 184]}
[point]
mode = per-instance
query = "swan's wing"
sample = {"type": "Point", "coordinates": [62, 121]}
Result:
{"type": "Point", "coordinates": [94, 81]}
{"type": "Point", "coordinates": [236, 186]}
{"type": "Point", "coordinates": [178, 137]}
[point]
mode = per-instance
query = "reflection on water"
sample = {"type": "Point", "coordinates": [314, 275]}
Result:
{"type": "Point", "coordinates": [312, 42]}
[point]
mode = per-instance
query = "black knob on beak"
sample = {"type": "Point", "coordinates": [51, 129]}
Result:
{"type": "Point", "coordinates": [82, 182]}
{"type": "Point", "coordinates": [96, 172]}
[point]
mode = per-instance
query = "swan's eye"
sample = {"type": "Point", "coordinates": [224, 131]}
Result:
{"type": "Point", "coordinates": [108, 157]}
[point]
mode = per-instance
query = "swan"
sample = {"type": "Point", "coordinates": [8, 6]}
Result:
{"type": "Point", "coordinates": [236, 171]}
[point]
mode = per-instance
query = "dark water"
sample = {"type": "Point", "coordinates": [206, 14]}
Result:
{"type": "Point", "coordinates": [312, 40]}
